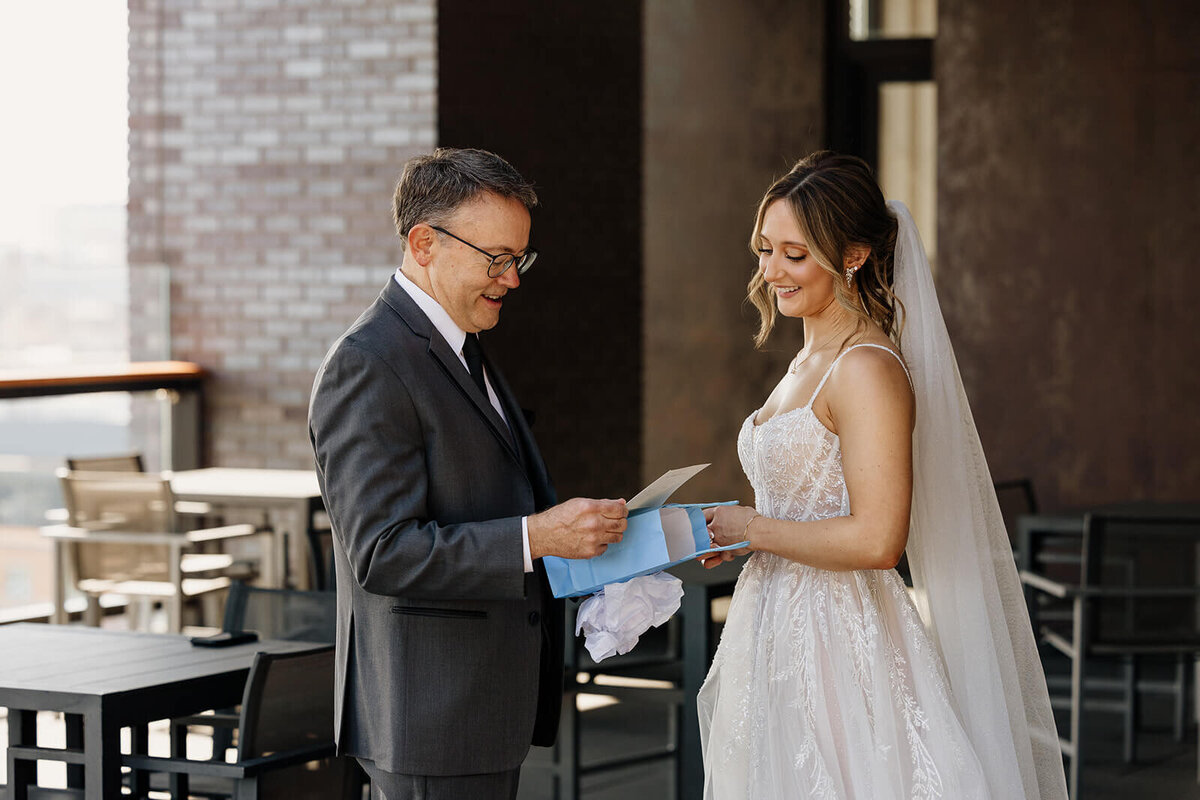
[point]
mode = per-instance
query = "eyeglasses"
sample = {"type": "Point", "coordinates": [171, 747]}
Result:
{"type": "Point", "coordinates": [499, 264]}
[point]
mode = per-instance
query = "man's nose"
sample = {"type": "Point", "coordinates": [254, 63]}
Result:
{"type": "Point", "coordinates": [510, 279]}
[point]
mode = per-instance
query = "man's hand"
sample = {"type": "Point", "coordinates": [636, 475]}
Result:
{"type": "Point", "coordinates": [578, 528]}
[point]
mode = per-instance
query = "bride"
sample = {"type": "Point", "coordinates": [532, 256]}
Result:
{"type": "Point", "coordinates": [830, 681]}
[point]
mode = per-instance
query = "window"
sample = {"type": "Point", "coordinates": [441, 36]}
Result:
{"type": "Point", "coordinates": [63, 158]}
{"type": "Point", "coordinates": [882, 101]}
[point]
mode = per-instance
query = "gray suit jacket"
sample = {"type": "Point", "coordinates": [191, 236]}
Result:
{"type": "Point", "coordinates": [449, 656]}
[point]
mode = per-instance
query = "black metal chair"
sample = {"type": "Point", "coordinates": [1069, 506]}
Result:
{"type": "Point", "coordinates": [288, 614]}
{"type": "Point", "coordinates": [285, 747]}
{"type": "Point", "coordinates": [1136, 598]}
{"type": "Point", "coordinates": [321, 574]}
{"type": "Point", "coordinates": [1016, 497]}
{"type": "Point", "coordinates": [662, 673]}
{"type": "Point", "coordinates": [650, 676]}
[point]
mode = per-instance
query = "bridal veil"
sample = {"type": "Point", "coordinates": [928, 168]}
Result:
{"type": "Point", "coordinates": [965, 581]}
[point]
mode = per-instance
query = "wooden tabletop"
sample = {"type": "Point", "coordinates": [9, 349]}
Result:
{"type": "Point", "coordinates": [222, 483]}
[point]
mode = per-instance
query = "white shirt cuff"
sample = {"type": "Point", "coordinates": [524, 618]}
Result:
{"type": "Point", "coordinates": [525, 544]}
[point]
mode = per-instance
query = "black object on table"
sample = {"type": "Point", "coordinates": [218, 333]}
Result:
{"type": "Point", "coordinates": [104, 681]}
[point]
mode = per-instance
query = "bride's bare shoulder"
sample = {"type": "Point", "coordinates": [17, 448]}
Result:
{"type": "Point", "coordinates": [868, 376]}
{"type": "Point", "coordinates": [870, 357]}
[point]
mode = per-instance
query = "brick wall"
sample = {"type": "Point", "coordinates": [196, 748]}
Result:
{"type": "Point", "coordinates": [265, 138]}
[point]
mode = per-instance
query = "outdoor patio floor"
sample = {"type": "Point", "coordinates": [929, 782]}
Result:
{"type": "Point", "coordinates": [1165, 769]}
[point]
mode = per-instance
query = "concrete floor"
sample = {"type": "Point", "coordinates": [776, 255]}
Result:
{"type": "Point", "coordinates": [609, 729]}
{"type": "Point", "coordinates": [1165, 769]}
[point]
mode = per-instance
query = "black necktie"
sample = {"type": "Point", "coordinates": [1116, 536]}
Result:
{"type": "Point", "coordinates": [473, 353]}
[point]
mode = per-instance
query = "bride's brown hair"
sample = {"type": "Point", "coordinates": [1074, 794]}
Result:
{"type": "Point", "coordinates": [837, 203]}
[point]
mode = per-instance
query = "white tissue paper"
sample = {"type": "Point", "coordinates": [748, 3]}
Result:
{"type": "Point", "coordinates": [614, 618]}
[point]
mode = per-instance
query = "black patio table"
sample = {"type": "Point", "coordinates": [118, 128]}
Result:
{"type": "Point", "coordinates": [104, 681]}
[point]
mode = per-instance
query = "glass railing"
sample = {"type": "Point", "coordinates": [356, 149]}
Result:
{"type": "Point", "coordinates": [151, 408]}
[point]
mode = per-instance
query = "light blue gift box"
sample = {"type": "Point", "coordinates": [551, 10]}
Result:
{"type": "Point", "coordinates": [658, 536]}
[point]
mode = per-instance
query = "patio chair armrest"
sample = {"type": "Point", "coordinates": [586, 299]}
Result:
{"type": "Point", "coordinates": [193, 508]}
{"type": "Point", "coordinates": [221, 769]}
{"type": "Point", "coordinates": [1044, 584]}
{"type": "Point", "coordinates": [218, 719]}
{"type": "Point", "coordinates": [288, 758]}
{"type": "Point", "coordinates": [223, 532]}
{"type": "Point", "coordinates": [71, 533]}
{"type": "Point", "coordinates": [1140, 591]}
{"type": "Point", "coordinates": [184, 766]}
{"type": "Point", "coordinates": [56, 515]}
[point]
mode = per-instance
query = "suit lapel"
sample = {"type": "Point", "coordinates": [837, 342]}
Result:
{"type": "Point", "coordinates": [453, 366]}
{"type": "Point", "coordinates": [535, 468]}
{"type": "Point", "coordinates": [439, 350]}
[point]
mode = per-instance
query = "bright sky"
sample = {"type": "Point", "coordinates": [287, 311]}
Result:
{"type": "Point", "coordinates": [63, 106]}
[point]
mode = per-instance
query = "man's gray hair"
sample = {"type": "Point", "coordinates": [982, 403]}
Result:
{"type": "Point", "coordinates": [432, 187]}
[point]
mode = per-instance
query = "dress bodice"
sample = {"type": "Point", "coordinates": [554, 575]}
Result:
{"type": "Point", "coordinates": [794, 464]}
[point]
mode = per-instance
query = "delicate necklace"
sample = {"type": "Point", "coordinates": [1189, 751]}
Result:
{"type": "Point", "coordinates": [798, 361]}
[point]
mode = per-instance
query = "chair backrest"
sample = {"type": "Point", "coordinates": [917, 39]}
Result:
{"type": "Point", "coordinates": [130, 502]}
{"type": "Point", "coordinates": [1144, 573]}
{"type": "Point", "coordinates": [287, 614]}
{"type": "Point", "coordinates": [127, 501]}
{"type": "Point", "coordinates": [125, 462]}
{"type": "Point", "coordinates": [287, 704]}
{"type": "Point", "coordinates": [1016, 497]}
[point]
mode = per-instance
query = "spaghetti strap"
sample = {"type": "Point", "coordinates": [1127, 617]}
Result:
{"type": "Point", "coordinates": [829, 371]}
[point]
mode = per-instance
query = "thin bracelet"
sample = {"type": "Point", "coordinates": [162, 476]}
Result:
{"type": "Point", "coordinates": [746, 529]}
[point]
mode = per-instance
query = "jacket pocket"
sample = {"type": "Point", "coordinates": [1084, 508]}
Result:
{"type": "Point", "coordinates": [439, 613]}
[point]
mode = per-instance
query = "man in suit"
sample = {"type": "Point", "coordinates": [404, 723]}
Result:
{"type": "Point", "coordinates": [449, 642]}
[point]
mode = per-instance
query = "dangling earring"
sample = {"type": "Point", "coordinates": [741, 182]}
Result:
{"type": "Point", "coordinates": [850, 274]}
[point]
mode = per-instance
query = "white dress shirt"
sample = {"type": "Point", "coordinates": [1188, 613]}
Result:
{"type": "Point", "coordinates": [455, 337]}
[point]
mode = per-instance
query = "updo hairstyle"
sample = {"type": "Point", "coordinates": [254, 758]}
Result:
{"type": "Point", "coordinates": [837, 203]}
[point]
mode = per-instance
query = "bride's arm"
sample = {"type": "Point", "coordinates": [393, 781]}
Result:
{"type": "Point", "coordinates": [871, 406]}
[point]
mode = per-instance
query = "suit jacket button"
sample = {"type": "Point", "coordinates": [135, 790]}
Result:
{"type": "Point", "coordinates": [534, 618]}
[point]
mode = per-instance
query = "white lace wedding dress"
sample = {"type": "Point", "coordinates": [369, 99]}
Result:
{"type": "Point", "coordinates": [825, 684]}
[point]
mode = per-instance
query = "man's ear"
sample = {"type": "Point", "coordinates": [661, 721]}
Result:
{"type": "Point", "coordinates": [856, 255]}
{"type": "Point", "coordinates": [421, 241]}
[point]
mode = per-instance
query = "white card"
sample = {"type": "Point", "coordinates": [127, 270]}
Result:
{"type": "Point", "coordinates": [657, 492]}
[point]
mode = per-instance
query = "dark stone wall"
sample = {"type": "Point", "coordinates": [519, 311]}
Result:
{"type": "Point", "coordinates": [556, 88]}
{"type": "Point", "coordinates": [1069, 170]}
{"type": "Point", "coordinates": [733, 99]}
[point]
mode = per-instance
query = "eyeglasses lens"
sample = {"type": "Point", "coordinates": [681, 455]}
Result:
{"type": "Point", "coordinates": [499, 265]}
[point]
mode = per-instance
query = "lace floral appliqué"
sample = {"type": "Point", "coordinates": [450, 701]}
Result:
{"type": "Point", "coordinates": [824, 684]}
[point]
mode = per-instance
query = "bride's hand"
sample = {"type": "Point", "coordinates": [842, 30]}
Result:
{"type": "Point", "coordinates": [726, 526]}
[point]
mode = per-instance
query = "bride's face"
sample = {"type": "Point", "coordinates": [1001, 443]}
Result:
{"type": "Point", "coordinates": [802, 287]}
